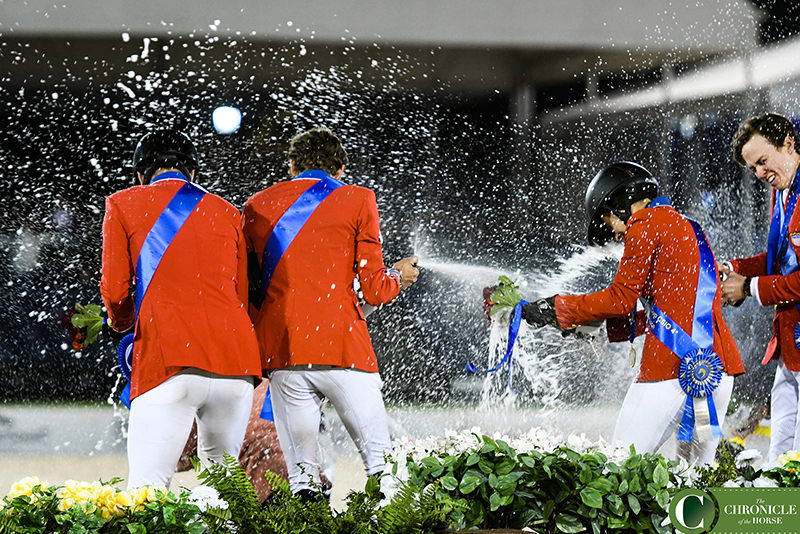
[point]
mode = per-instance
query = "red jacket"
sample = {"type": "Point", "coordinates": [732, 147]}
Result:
{"type": "Point", "coordinates": [783, 292]}
{"type": "Point", "coordinates": [311, 314]}
{"type": "Point", "coordinates": [660, 262]}
{"type": "Point", "coordinates": [194, 312]}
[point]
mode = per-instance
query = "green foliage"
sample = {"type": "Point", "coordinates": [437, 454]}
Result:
{"type": "Point", "coordinates": [413, 510]}
{"type": "Point", "coordinates": [505, 295]}
{"type": "Point", "coordinates": [715, 476]}
{"type": "Point", "coordinates": [561, 491]}
{"type": "Point", "coordinates": [39, 513]}
{"type": "Point", "coordinates": [89, 321]}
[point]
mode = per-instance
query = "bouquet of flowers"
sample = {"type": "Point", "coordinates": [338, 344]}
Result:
{"type": "Point", "coordinates": [504, 296]}
{"type": "Point", "coordinates": [83, 324]}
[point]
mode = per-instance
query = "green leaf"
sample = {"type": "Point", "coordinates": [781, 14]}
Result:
{"type": "Point", "coordinates": [136, 528]}
{"type": "Point", "coordinates": [635, 485]}
{"type": "Point", "coordinates": [569, 523]}
{"type": "Point", "coordinates": [591, 497]}
{"type": "Point", "coordinates": [430, 461]}
{"type": "Point", "coordinates": [634, 504]}
{"type": "Point", "coordinates": [548, 509]}
{"type": "Point", "coordinates": [468, 484]}
{"type": "Point", "coordinates": [495, 501]}
{"type": "Point", "coordinates": [660, 476]}
{"type": "Point", "coordinates": [473, 459]}
{"type": "Point", "coordinates": [449, 482]}
{"type": "Point", "coordinates": [623, 487]}
{"type": "Point", "coordinates": [486, 466]}
{"type": "Point", "coordinates": [662, 498]}
{"type": "Point", "coordinates": [605, 485]}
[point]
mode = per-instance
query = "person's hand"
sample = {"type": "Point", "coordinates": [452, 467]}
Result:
{"type": "Point", "coordinates": [115, 334]}
{"type": "Point", "coordinates": [408, 271]}
{"type": "Point", "coordinates": [541, 313]}
{"type": "Point", "coordinates": [733, 290]}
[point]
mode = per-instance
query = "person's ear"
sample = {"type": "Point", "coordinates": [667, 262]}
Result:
{"type": "Point", "coordinates": [789, 143]}
{"type": "Point", "coordinates": [339, 172]}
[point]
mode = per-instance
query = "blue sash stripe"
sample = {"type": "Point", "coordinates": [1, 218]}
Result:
{"type": "Point", "coordinates": [162, 233]}
{"type": "Point", "coordinates": [286, 229]}
{"type": "Point", "coordinates": [780, 256]}
{"type": "Point", "coordinates": [700, 343]}
{"type": "Point", "coordinates": [292, 221]}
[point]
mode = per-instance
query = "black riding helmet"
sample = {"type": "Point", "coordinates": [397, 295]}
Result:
{"type": "Point", "coordinates": [613, 190]}
{"type": "Point", "coordinates": [164, 149]}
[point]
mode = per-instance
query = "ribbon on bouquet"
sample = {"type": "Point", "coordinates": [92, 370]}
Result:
{"type": "Point", "coordinates": [513, 331]}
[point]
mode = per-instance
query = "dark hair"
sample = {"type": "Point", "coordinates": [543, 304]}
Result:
{"type": "Point", "coordinates": [771, 126]}
{"type": "Point", "coordinates": [318, 149]}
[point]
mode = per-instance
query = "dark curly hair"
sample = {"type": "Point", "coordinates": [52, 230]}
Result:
{"type": "Point", "coordinates": [319, 149]}
{"type": "Point", "coordinates": [771, 126]}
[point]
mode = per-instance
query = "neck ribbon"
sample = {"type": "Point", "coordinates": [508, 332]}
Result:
{"type": "Point", "coordinates": [701, 368]}
{"type": "Point", "coordinates": [155, 245]}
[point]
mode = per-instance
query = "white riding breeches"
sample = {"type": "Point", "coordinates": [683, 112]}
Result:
{"type": "Point", "coordinates": [161, 419]}
{"type": "Point", "coordinates": [784, 407]}
{"type": "Point", "coordinates": [297, 396]}
{"type": "Point", "coordinates": [652, 412]}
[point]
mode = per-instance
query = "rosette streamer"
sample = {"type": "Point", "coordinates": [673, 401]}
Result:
{"type": "Point", "coordinates": [701, 369]}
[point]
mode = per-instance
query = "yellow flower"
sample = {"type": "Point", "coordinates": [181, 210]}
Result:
{"type": "Point", "coordinates": [25, 486]}
{"type": "Point", "coordinates": [789, 456]}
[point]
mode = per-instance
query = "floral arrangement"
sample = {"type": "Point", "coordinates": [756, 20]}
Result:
{"type": "Point", "coordinates": [536, 481]}
{"type": "Point", "coordinates": [95, 507]}
{"type": "Point", "coordinates": [83, 324]}
{"type": "Point", "coordinates": [503, 297]}
{"type": "Point", "coordinates": [457, 481]}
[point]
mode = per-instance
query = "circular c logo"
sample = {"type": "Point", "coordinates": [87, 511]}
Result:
{"type": "Point", "coordinates": [692, 511]}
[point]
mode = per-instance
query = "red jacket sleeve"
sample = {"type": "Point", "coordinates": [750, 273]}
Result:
{"type": "Point", "coordinates": [117, 272]}
{"type": "Point", "coordinates": [620, 298]}
{"type": "Point", "coordinates": [377, 286]}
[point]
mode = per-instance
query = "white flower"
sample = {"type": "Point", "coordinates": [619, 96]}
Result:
{"type": "Point", "coordinates": [764, 482]}
{"type": "Point", "coordinates": [205, 497]}
{"type": "Point", "coordinates": [747, 457]}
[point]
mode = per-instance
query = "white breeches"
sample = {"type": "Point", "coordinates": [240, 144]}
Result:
{"type": "Point", "coordinates": [784, 427]}
{"type": "Point", "coordinates": [161, 419]}
{"type": "Point", "coordinates": [297, 397]}
{"type": "Point", "coordinates": [652, 412]}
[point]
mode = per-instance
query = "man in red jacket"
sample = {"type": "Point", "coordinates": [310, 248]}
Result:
{"type": "Point", "coordinates": [768, 145]}
{"type": "Point", "coordinates": [689, 358]}
{"type": "Point", "coordinates": [314, 241]}
{"type": "Point", "coordinates": [175, 272]}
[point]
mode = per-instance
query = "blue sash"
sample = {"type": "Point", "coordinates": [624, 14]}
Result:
{"type": "Point", "coordinates": [292, 221]}
{"type": "Point", "coordinates": [155, 245]}
{"type": "Point", "coordinates": [286, 229]}
{"type": "Point", "coordinates": [781, 258]}
{"type": "Point", "coordinates": [701, 369]}
{"type": "Point", "coordinates": [513, 331]}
